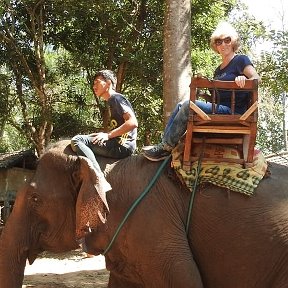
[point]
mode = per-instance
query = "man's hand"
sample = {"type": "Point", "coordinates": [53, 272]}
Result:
{"type": "Point", "coordinates": [100, 138]}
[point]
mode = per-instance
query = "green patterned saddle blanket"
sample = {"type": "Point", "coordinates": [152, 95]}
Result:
{"type": "Point", "coordinates": [228, 175]}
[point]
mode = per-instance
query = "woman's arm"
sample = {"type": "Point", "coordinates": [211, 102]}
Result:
{"type": "Point", "coordinates": [249, 73]}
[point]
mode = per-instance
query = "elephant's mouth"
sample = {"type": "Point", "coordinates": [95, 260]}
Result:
{"type": "Point", "coordinates": [32, 255]}
{"type": "Point", "coordinates": [81, 233]}
{"type": "Point", "coordinates": [83, 230]}
{"type": "Point", "coordinates": [84, 245]}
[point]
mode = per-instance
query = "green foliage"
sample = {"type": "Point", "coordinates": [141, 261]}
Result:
{"type": "Point", "coordinates": [204, 62]}
{"type": "Point", "coordinates": [83, 36]}
{"type": "Point", "coordinates": [250, 30]}
{"type": "Point", "coordinates": [148, 107]}
{"type": "Point", "coordinates": [270, 129]}
{"type": "Point", "coordinates": [102, 35]}
{"type": "Point", "coordinates": [123, 36]}
{"type": "Point", "coordinates": [4, 97]}
{"type": "Point", "coordinates": [13, 140]}
{"type": "Point", "coordinates": [73, 100]}
{"type": "Point", "coordinates": [7, 102]}
{"type": "Point", "coordinates": [273, 64]}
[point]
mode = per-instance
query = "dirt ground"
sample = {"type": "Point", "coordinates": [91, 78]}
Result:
{"type": "Point", "coordinates": [73, 269]}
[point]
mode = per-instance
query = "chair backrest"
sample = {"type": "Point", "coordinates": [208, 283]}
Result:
{"type": "Point", "coordinates": [214, 86]}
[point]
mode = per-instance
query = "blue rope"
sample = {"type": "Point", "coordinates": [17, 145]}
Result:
{"type": "Point", "coordinates": [136, 202]}
{"type": "Point", "coordinates": [193, 195]}
{"type": "Point", "coordinates": [194, 187]}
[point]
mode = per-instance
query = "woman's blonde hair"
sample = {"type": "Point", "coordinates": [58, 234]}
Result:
{"type": "Point", "coordinates": [225, 29]}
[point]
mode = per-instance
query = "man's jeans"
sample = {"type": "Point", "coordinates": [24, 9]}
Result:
{"type": "Point", "coordinates": [83, 146]}
{"type": "Point", "coordinates": [177, 123]}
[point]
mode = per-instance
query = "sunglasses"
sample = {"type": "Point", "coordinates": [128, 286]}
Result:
{"type": "Point", "coordinates": [219, 41]}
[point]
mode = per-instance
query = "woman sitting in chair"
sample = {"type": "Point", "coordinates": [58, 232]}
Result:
{"type": "Point", "coordinates": [234, 67]}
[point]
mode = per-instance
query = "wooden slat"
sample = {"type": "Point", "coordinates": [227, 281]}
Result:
{"type": "Point", "coordinates": [250, 84]}
{"type": "Point", "coordinates": [199, 112]}
{"type": "Point", "coordinates": [234, 120]}
{"type": "Point", "coordinates": [230, 141]}
{"type": "Point", "coordinates": [251, 110]}
{"type": "Point", "coordinates": [221, 129]}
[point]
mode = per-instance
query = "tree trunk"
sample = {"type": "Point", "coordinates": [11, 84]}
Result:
{"type": "Point", "coordinates": [176, 55]}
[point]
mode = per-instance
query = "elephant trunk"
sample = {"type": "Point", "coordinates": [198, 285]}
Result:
{"type": "Point", "coordinates": [14, 251]}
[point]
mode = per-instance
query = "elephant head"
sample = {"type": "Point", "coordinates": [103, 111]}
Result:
{"type": "Point", "coordinates": [58, 204]}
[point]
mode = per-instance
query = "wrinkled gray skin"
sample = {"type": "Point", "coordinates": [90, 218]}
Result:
{"type": "Point", "coordinates": [234, 241]}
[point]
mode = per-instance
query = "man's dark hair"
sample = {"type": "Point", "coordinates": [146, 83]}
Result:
{"type": "Point", "coordinates": [107, 75]}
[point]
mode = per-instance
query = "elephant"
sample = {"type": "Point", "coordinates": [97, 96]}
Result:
{"type": "Point", "coordinates": [233, 240]}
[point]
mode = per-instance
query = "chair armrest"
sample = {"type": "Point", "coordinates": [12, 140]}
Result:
{"type": "Point", "coordinates": [249, 111]}
{"type": "Point", "coordinates": [198, 111]}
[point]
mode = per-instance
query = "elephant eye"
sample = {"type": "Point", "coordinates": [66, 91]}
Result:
{"type": "Point", "coordinates": [35, 198]}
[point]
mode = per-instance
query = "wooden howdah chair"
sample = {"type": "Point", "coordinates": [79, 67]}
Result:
{"type": "Point", "coordinates": [234, 130]}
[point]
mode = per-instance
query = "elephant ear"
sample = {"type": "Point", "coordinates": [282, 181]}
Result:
{"type": "Point", "coordinates": [91, 205]}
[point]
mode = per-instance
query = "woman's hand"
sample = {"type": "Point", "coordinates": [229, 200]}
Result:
{"type": "Point", "coordinates": [240, 81]}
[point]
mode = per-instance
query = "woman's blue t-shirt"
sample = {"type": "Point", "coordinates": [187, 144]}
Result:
{"type": "Point", "coordinates": [229, 73]}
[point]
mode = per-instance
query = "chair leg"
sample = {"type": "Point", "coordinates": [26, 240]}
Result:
{"type": "Point", "coordinates": [187, 147]}
{"type": "Point", "coordinates": [249, 143]}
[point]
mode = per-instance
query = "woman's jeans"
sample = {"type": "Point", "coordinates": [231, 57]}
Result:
{"type": "Point", "coordinates": [177, 123]}
{"type": "Point", "coordinates": [83, 146]}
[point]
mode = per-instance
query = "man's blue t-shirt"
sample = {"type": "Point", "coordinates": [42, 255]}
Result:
{"type": "Point", "coordinates": [229, 73]}
{"type": "Point", "coordinates": [118, 106]}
